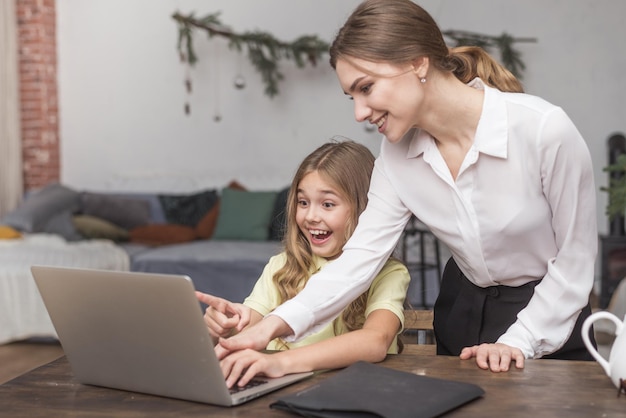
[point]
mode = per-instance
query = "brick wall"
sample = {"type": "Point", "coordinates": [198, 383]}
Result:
{"type": "Point", "coordinates": [36, 22]}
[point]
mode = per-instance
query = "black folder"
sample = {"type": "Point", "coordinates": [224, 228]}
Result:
{"type": "Point", "coordinates": [370, 390]}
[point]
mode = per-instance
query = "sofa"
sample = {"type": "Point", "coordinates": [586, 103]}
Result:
{"type": "Point", "coordinates": [220, 238]}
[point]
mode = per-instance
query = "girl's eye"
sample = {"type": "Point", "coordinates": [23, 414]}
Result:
{"type": "Point", "coordinates": [302, 203]}
{"type": "Point", "coordinates": [328, 205]}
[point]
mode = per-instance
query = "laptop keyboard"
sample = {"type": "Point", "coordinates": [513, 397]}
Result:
{"type": "Point", "coordinates": [252, 383]}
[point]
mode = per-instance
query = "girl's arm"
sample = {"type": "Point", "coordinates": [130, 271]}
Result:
{"type": "Point", "coordinates": [367, 344]}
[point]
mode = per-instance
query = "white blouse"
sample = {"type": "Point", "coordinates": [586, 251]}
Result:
{"type": "Point", "coordinates": [521, 209]}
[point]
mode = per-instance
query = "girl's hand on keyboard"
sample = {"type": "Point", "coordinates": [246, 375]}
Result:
{"type": "Point", "coordinates": [241, 366]}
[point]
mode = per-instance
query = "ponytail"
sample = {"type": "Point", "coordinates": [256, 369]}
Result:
{"type": "Point", "coordinates": [469, 62]}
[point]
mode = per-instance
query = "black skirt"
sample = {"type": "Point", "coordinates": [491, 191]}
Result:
{"type": "Point", "coordinates": [467, 315]}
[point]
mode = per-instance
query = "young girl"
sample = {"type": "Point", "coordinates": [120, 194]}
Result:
{"type": "Point", "coordinates": [327, 195]}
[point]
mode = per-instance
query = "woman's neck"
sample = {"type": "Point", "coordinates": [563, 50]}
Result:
{"type": "Point", "coordinates": [452, 111]}
{"type": "Point", "coordinates": [451, 117]}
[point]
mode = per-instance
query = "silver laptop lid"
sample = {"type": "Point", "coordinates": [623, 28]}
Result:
{"type": "Point", "coordinates": [141, 332]}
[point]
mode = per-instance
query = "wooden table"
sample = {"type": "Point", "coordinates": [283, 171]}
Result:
{"type": "Point", "coordinates": [544, 388]}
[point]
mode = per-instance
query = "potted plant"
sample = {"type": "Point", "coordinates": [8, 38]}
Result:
{"type": "Point", "coordinates": [616, 206]}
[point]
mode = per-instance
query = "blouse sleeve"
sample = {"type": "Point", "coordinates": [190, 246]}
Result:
{"type": "Point", "coordinates": [566, 171]}
{"type": "Point", "coordinates": [328, 292]}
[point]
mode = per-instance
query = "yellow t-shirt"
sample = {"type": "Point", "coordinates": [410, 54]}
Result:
{"type": "Point", "coordinates": [388, 291]}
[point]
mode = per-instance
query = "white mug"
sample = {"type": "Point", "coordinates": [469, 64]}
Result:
{"type": "Point", "coordinates": [615, 368]}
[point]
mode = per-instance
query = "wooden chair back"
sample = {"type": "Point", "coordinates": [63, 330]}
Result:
{"type": "Point", "coordinates": [418, 337]}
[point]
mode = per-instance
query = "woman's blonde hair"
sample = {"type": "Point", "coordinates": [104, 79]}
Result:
{"type": "Point", "coordinates": [348, 167]}
{"type": "Point", "coordinates": [400, 31]}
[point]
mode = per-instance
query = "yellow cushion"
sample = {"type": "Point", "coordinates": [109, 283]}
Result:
{"type": "Point", "coordinates": [6, 232]}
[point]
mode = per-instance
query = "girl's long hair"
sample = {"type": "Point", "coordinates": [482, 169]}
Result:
{"type": "Point", "coordinates": [348, 167]}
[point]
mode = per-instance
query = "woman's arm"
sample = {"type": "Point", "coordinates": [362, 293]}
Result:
{"type": "Point", "coordinates": [367, 344]}
{"type": "Point", "coordinates": [567, 177]}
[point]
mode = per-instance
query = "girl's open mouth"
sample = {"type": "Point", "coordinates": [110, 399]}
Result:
{"type": "Point", "coordinates": [319, 237]}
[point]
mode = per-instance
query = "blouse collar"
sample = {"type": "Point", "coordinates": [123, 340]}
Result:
{"type": "Point", "coordinates": [491, 134]}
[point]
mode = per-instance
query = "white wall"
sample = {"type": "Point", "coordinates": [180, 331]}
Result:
{"type": "Point", "coordinates": [121, 90]}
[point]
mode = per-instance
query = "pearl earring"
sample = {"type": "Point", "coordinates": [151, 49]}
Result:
{"type": "Point", "coordinates": [423, 80]}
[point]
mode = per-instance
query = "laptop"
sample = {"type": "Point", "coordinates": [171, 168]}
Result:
{"type": "Point", "coordinates": [140, 332]}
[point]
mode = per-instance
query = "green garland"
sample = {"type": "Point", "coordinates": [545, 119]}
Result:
{"type": "Point", "coordinates": [265, 51]}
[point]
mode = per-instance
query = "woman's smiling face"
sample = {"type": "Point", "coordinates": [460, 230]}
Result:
{"type": "Point", "coordinates": [386, 95]}
{"type": "Point", "coordinates": [322, 215]}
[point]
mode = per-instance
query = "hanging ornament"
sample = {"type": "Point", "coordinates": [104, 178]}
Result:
{"type": "Point", "coordinates": [188, 84]}
{"type": "Point", "coordinates": [217, 116]}
{"type": "Point", "coordinates": [240, 82]}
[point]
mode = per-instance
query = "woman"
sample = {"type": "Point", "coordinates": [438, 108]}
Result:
{"type": "Point", "coordinates": [504, 179]}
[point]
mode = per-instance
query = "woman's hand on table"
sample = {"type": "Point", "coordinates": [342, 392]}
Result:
{"type": "Point", "coordinates": [495, 357]}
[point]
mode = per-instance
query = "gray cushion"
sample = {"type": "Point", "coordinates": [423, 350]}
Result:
{"type": "Point", "coordinates": [278, 225]}
{"type": "Point", "coordinates": [38, 208]}
{"type": "Point", "coordinates": [157, 215]}
{"type": "Point", "coordinates": [124, 212]}
{"type": "Point", "coordinates": [188, 209]}
{"type": "Point", "coordinates": [62, 224]}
